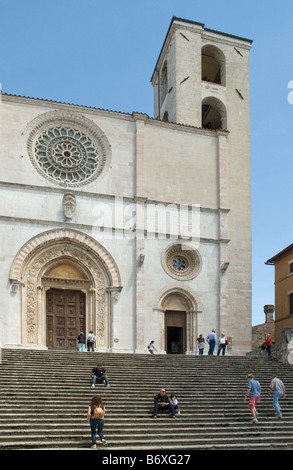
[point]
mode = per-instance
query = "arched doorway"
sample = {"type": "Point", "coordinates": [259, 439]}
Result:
{"type": "Point", "coordinates": [67, 282]}
{"type": "Point", "coordinates": [66, 286]}
{"type": "Point", "coordinates": [175, 332]}
{"type": "Point", "coordinates": [179, 312]}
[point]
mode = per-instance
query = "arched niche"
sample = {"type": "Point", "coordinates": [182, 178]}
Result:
{"type": "Point", "coordinates": [213, 65]}
{"type": "Point", "coordinates": [163, 82]}
{"type": "Point", "coordinates": [214, 114]}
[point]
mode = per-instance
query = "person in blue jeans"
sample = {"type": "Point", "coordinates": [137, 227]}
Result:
{"type": "Point", "coordinates": [211, 339]}
{"type": "Point", "coordinates": [99, 374]}
{"type": "Point", "coordinates": [201, 343]}
{"type": "Point", "coordinates": [95, 416]}
{"type": "Point", "coordinates": [163, 402]}
{"type": "Point", "coordinates": [278, 388]}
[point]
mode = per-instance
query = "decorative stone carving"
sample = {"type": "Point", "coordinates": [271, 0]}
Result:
{"type": "Point", "coordinates": [69, 205]}
{"type": "Point", "coordinates": [34, 273]}
{"type": "Point", "coordinates": [33, 264]}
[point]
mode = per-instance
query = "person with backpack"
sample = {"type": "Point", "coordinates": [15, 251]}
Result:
{"type": "Point", "coordinates": [268, 344]}
{"type": "Point", "coordinates": [95, 416]}
{"type": "Point", "coordinates": [90, 341]}
{"type": "Point", "coordinates": [81, 341]}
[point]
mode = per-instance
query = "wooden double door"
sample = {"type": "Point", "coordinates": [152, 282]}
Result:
{"type": "Point", "coordinates": [65, 317]}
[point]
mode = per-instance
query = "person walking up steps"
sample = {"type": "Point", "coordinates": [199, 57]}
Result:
{"type": "Point", "coordinates": [90, 341]}
{"type": "Point", "coordinates": [95, 416]}
{"type": "Point", "coordinates": [254, 393]}
{"type": "Point", "coordinates": [278, 388]}
{"type": "Point", "coordinates": [151, 347]}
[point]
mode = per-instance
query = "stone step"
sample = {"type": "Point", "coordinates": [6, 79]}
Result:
{"type": "Point", "coordinates": [37, 386]}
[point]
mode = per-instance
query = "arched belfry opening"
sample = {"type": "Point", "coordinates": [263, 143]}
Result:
{"type": "Point", "coordinates": [213, 65]}
{"type": "Point", "coordinates": [163, 83]}
{"type": "Point", "coordinates": [214, 114]}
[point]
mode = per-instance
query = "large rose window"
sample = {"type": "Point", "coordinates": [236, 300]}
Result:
{"type": "Point", "coordinates": [67, 150]}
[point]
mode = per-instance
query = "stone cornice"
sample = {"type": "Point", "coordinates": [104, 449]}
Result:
{"type": "Point", "coordinates": [111, 197]}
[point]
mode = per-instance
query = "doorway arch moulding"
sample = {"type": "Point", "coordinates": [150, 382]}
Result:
{"type": "Point", "coordinates": [188, 298]}
{"type": "Point", "coordinates": [101, 282]}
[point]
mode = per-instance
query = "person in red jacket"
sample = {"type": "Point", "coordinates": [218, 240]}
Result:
{"type": "Point", "coordinates": [268, 343]}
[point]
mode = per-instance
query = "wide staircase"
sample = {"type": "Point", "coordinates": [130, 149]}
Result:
{"type": "Point", "coordinates": [44, 396]}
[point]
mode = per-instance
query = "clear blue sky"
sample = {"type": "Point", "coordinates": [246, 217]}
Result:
{"type": "Point", "coordinates": [102, 54]}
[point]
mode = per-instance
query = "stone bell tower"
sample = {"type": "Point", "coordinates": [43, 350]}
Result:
{"type": "Point", "coordinates": [201, 80]}
{"type": "Point", "coordinates": [201, 77]}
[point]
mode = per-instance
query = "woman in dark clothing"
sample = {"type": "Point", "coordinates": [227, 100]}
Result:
{"type": "Point", "coordinates": [95, 416]}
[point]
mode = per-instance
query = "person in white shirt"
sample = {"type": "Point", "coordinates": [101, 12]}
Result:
{"type": "Point", "coordinates": [151, 347]}
{"type": "Point", "coordinates": [90, 341]}
{"type": "Point", "coordinates": [222, 345]}
{"type": "Point", "coordinates": [278, 388]}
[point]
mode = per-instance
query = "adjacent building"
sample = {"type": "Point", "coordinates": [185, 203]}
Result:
{"type": "Point", "coordinates": [283, 263]}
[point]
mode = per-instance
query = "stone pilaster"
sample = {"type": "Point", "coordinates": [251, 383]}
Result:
{"type": "Point", "coordinates": [223, 233]}
{"type": "Point", "coordinates": [140, 239]}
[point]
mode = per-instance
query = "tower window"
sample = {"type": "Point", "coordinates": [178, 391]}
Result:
{"type": "Point", "coordinates": [213, 65]}
{"type": "Point", "coordinates": [214, 114]}
{"type": "Point", "coordinates": [291, 304]}
{"type": "Point", "coordinates": [164, 83]}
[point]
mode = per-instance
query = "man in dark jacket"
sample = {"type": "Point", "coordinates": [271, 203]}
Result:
{"type": "Point", "coordinates": [99, 374]}
{"type": "Point", "coordinates": [163, 402]}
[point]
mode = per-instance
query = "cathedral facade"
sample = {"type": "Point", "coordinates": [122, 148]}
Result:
{"type": "Point", "coordinates": [136, 228]}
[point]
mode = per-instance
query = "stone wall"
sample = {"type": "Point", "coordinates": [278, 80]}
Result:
{"type": "Point", "coordinates": [260, 332]}
{"type": "Point", "coordinates": [282, 351]}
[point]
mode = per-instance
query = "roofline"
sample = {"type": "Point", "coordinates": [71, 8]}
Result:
{"type": "Point", "coordinates": [133, 115]}
{"type": "Point", "coordinates": [213, 30]}
{"type": "Point", "coordinates": [175, 18]}
{"type": "Point", "coordinates": [272, 260]}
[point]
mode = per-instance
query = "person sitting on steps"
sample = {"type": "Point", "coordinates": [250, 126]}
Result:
{"type": "Point", "coordinates": [163, 402]}
{"type": "Point", "coordinates": [99, 374]}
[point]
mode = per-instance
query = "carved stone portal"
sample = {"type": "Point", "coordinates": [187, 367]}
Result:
{"type": "Point", "coordinates": [35, 301]}
{"type": "Point", "coordinates": [71, 260]}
